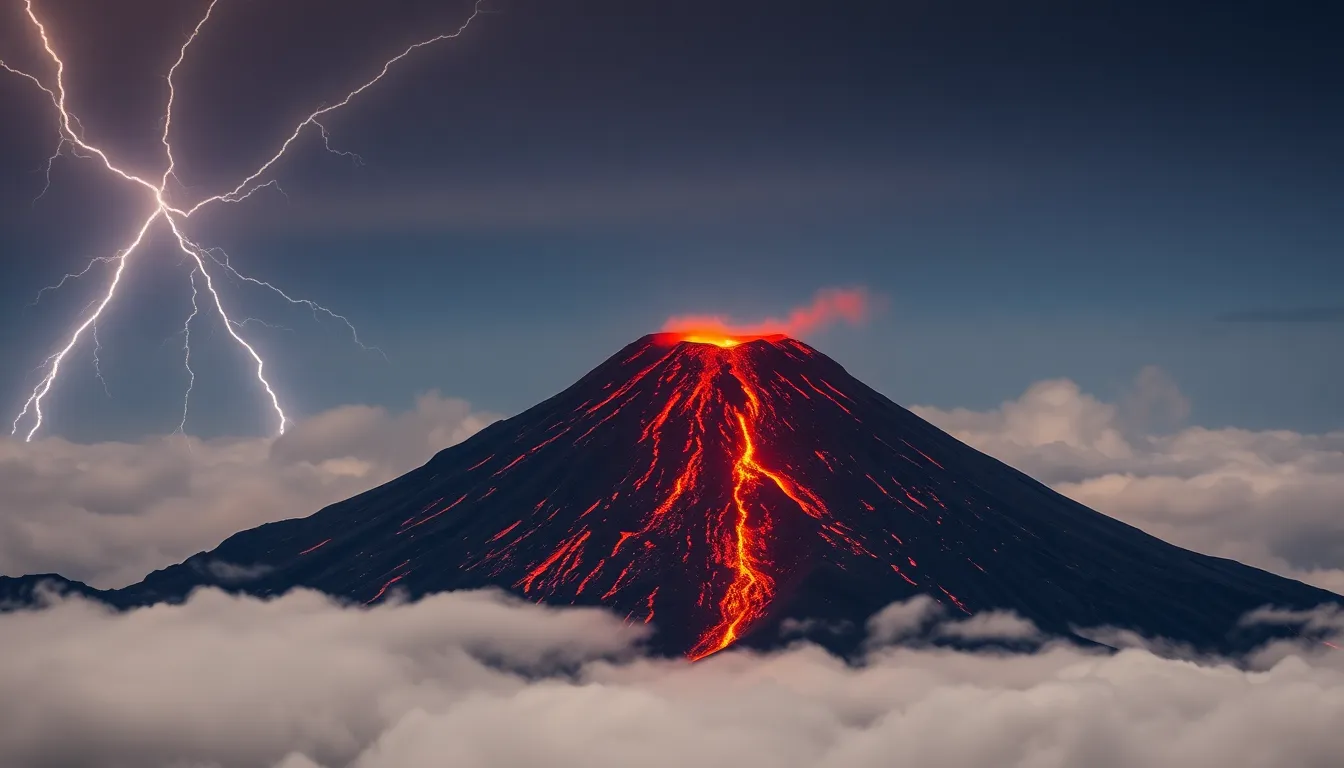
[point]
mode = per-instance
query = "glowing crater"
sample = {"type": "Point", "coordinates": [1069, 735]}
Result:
{"type": "Point", "coordinates": [723, 340]}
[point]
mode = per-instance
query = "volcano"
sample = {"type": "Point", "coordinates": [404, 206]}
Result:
{"type": "Point", "coordinates": [718, 487]}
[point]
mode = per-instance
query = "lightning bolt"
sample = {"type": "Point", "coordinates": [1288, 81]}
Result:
{"type": "Point", "coordinates": [71, 276]}
{"type": "Point", "coordinates": [186, 353]}
{"type": "Point", "coordinates": [314, 307]}
{"type": "Point", "coordinates": [201, 260]}
{"type": "Point", "coordinates": [98, 364]}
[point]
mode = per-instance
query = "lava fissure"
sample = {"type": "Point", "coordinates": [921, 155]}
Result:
{"type": "Point", "coordinates": [315, 547]}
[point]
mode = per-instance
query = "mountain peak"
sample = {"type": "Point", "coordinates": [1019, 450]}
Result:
{"type": "Point", "coordinates": [715, 337]}
{"type": "Point", "coordinates": [720, 486]}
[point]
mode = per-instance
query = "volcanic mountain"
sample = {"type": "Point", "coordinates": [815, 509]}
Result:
{"type": "Point", "coordinates": [719, 486]}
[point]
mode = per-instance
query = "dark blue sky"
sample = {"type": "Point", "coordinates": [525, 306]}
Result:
{"type": "Point", "coordinates": [1038, 189]}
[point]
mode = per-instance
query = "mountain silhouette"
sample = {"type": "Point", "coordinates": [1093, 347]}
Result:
{"type": "Point", "coordinates": [719, 487]}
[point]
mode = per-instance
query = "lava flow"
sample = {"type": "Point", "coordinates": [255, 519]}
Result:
{"type": "Point", "coordinates": [711, 411]}
{"type": "Point", "coordinates": [744, 548]}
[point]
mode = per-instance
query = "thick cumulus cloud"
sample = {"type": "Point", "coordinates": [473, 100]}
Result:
{"type": "Point", "coordinates": [480, 679]}
{"type": "Point", "coordinates": [109, 513]}
{"type": "Point", "coordinates": [1272, 499]}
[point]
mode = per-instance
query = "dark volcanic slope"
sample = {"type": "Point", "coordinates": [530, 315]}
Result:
{"type": "Point", "coordinates": [717, 490]}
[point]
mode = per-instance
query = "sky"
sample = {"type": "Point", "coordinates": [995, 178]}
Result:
{"type": "Point", "coordinates": [1102, 241]}
{"type": "Point", "coordinates": [1034, 189]}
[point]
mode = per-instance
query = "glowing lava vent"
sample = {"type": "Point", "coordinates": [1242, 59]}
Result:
{"type": "Point", "coordinates": [718, 485]}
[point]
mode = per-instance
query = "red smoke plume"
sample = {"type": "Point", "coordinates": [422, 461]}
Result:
{"type": "Point", "coordinates": [828, 306]}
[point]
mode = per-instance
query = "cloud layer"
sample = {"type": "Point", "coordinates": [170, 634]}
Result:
{"type": "Point", "coordinates": [1271, 499]}
{"type": "Point", "coordinates": [109, 513]}
{"type": "Point", "coordinates": [479, 679]}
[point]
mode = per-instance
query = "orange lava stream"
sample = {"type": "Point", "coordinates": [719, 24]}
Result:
{"type": "Point", "coordinates": [315, 547]}
{"type": "Point", "coordinates": [751, 590]}
{"type": "Point", "coordinates": [713, 410]}
{"type": "Point", "coordinates": [568, 555]}
{"type": "Point", "coordinates": [383, 590]}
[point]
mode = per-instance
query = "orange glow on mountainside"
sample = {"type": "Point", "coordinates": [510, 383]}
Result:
{"type": "Point", "coordinates": [713, 417]}
{"type": "Point", "coordinates": [720, 341]}
{"type": "Point", "coordinates": [682, 483]}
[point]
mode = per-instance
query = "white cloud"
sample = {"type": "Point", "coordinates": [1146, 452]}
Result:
{"type": "Point", "coordinates": [1271, 499]}
{"type": "Point", "coordinates": [109, 513]}
{"type": "Point", "coordinates": [232, 572]}
{"type": "Point", "coordinates": [921, 618]}
{"type": "Point", "coordinates": [900, 621]}
{"type": "Point", "coordinates": [231, 681]}
{"type": "Point", "coordinates": [1325, 618]}
{"type": "Point", "coordinates": [479, 680]}
{"type": "Point", "coordinates": [991, 625]}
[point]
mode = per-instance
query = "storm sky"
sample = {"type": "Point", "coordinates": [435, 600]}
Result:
{"type": "Point", "coordinates": [1035, 189]}
{"type": "Point", "coordinates": [1103, 238]}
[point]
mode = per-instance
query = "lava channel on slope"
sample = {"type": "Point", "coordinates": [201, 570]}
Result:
{"type": "Point", "coordinates": [717, 499]}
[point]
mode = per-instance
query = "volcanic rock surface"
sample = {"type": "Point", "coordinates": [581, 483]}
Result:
{"type": "Point", "coordinates": [718, 487]}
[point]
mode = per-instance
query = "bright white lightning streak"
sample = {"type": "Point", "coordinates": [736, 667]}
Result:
{"type": "Point", "coordinates": [238, 193]}
{"type": "Point", "coordinates": [168, 109]}
{"type": "Point", "coordinates": [44, 386]}
{"type": "Point", "coordinates": [326, 142]}
{"type": "Point", "coordinates": [243, 324]}
{"type": "Point", "coordinates": [194, 251]}
{"type": "Point", "coordinates": [186, 354]}
{"type": "Point", "coordinates": [313, 306]}
{"type": "Point", "coordinates": [61, 140]}
{"type": "Point", "coordinates": [72, 276]}
{"type": "Point", "coordinates": [249, 185]}
{"type": "Point", "coordinates": [51, 161]}
{"type": "Point", "coordinates": [58, 99]}
{"type": "Point", "coordinates": [98, 364]}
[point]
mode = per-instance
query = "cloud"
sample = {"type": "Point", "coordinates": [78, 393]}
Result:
{"type": "Point", "coordinates": [900, 621]}
{"type": "Point", "coordinates": [1286, 315]}
{"type": "Point", "coordinates": [1268, 498]}
{"type": "Point", "coordinates": [481, 679]}
{"type": "Point", "coordinates": [230, 681]}
{"type": "Point", "coordinates": [921, 619]}
{"type": "Point", "coordinates": [1154, 403]}
{"type": "Point", "coordinates": [109, 513]}
{"type": "Point", "coordinates": [478, 679]}
{"type": "Point", "coordinates": [991, 625]}
{"type": "Point", "coordinates": [1326, 618]}
{"type": "Point", "coordinates": [231, 572]}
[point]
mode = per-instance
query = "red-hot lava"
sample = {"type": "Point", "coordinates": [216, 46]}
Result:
{"type": "Point", "coordinates": [744, 548]}
{"type": "Point", "coordinates": [708, 413]}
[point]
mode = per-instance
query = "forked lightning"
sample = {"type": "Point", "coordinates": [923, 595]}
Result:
{"type": "Point", "coordinates": [201, 261]}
